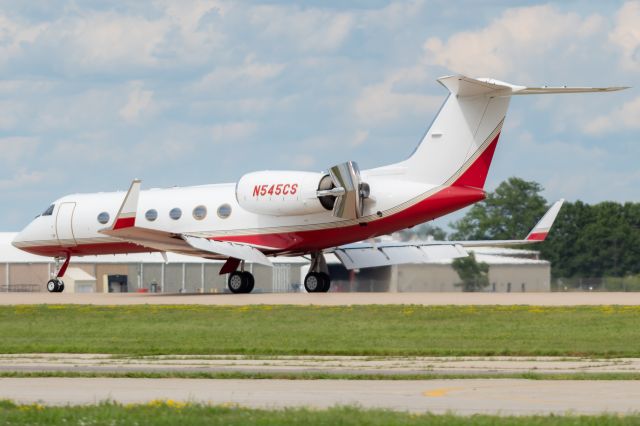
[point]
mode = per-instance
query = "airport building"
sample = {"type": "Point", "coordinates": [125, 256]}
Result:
{"type": "Point", "coordinates": [509, 271]}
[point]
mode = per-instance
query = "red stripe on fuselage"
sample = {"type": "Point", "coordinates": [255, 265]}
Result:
{"type": "Point", "coordinates": [443, 202]}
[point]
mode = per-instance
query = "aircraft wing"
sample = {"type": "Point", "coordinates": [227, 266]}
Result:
{"type": "Point", "coordinates": [367, 255]}
{"type": "Point", "coordinates": [124, 227]}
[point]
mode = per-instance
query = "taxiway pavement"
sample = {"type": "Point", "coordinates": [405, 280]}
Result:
{"type": "Point", "coordinates": [489, 396]}
{"type": "Point", "coordinates": [328, 299]}
{"type": "Point", "coordinates": [497, 365]}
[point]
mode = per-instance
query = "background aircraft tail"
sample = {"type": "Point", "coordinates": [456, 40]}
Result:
{"type": "Point", "coordinates": [458, 147]}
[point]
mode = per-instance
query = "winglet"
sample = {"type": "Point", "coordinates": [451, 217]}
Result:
{"type": "Point", "coordinates": [126, 217]}
{"type": "Point", "coordinates": [540, 231]}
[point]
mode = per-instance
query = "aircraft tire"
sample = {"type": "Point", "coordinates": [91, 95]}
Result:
{"type": "Point", "coordinates": [237, 282]}
{"type": "Point", "coordinates": [250, 281]}
{"type": "Point", "coordinates": [313, 282]}
{"type": "Point", "coordinates": [60, 286]}
{"type": "Point", "coordinates": [326, 282]}
{"type": "Point", "coordinates": [52, 286]}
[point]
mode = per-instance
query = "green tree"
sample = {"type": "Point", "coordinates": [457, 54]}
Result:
{"type": "Point", "coordinates": [425, 231]}
{"type": "Point", "coordinates": [595, 240]}
{"type": "Point", "coordinates": [474, 275]}
{"type": "Point", "coordinates": [509, 212]}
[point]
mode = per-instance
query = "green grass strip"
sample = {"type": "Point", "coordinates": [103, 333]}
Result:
{"type": "Point", "coordinates": [591, 331]}
{"type": "Point", "coordinates": [171, 413]}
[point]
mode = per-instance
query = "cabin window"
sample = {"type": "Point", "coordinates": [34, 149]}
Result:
{"type": "Point", "coordinates": [49, 210]}
{"type": "Point", "coordinates": [103, 218]}
{"type": "Point", "coordinates": [151, 215]}
{"type": "Point", "coordinates": [175, 213]}
{"type": "Point", "coordinates": [199, 212]}
{"type": "Point", "coordinates": [224, 211]}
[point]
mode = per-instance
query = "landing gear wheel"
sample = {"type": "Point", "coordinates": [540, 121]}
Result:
{"type": "Point", "coordinates": [250, 281]}
{"type": "Point", "coordinates": [55, 286]}
{"type": "Point", "coordinates": [326, 282]}
{"type": "Point", "coordinates": [237, 282]}
{"type": "Point", "coordinates": [241, 282]}
{"type": "Point", "coordinates": [314, 282]}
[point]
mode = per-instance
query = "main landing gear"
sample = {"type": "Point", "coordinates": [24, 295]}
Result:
{"type": "Point", "coordinates": [56, 285]}
{"type": "Point", "coordinates": [318, 279]}
{"type": "Point", "coordinates": [241, 281]}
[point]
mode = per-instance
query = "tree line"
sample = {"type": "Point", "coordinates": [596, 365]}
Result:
{"type": "Point", "coordinates": [587, 240]}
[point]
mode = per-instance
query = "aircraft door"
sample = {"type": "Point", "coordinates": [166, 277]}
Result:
{"type": "Point", "coordinates": [64, 224]}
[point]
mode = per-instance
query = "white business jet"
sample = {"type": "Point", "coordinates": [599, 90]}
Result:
{"type": "Point", "coordinates": [293, 213]}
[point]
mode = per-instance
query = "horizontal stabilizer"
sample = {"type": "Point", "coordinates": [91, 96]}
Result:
{"type": "Point", "coordinates": [468, 87]}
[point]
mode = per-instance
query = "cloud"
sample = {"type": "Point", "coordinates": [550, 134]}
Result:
{"type": "Point", "coordinates": [306, 29]}
{"type": "Point", "coordinates": [139, 102]}
{"type": "Point", "coordinates": [233, 132]}
{"type": "Point", "coordinates": [360, 137]}
{"type": "Point", "coordinates": [250, 72]}
{"type": "Point", "coordinates": [14, 36]}
{"type": "Point", "coordinates": [106, 41]}
{"type": "Point", "coordinates": [519, 36]}
{"type": "Point", "coordinates": [394, 97]}
{"type": "Point", "coordinates": [15, 148]}
{"type": "Point", "coordinates": [623, 118]}
{"type": "Point", "coordinates": [626, 35]}
{"type": "Point", "coordinates": [21, 179]}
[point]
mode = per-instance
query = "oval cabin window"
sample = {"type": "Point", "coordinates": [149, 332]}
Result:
{"type": "Point", "coordinates": [224, 211]}
{"type": "Point", "coordinates": [103, 218]}
{"type": "Point", "coordinates": [175, 213]}
{"type": "Point", "coordinates": [199, 212]}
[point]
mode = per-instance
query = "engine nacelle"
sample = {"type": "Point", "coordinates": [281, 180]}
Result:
{"type": "Point", "coordinates": [280, 193]}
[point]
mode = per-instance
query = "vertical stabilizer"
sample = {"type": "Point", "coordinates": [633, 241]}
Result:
{"type": "Point", "coordinates": [458, 147]}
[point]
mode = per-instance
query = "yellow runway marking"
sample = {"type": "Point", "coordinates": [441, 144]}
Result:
{"type": "Point", "coordinates": [439, 392]}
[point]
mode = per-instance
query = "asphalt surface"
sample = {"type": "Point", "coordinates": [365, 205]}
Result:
{"type": "Point", "coordinates": [495, 396]}
{"type": "Point", "coordinates": [328, 299]}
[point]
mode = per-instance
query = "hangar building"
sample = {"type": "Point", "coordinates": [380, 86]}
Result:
{"type": "Point", "coordinates": [509, 271]}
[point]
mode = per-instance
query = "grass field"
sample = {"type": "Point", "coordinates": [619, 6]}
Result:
{"type": "Point", "coordinates": [293, 330]}
{"type": "Point", "coordinates": [171, 413]}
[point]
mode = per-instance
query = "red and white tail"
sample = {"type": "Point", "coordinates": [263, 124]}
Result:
{"type": "Point", "coordinates": [458, 147]}
{"type": "Point", "coordinates": [540, 231]}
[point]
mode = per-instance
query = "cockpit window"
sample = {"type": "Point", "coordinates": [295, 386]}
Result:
{"type": "Point", "coordinates": [48, 211]}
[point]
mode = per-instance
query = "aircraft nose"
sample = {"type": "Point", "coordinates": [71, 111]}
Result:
{"type": "Point", "coordinates": [18, 239]}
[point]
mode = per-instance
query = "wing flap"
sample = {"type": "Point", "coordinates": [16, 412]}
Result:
{"type": "Point", "coordinates": [235, 250]}
{"type": "Point", "coordinates": [367, 256]}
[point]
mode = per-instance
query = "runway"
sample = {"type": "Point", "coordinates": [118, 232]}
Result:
{"type": "Point", "coordinates": [498, 365]}
{"type": "Point", "coordinates": [328, 299]}
{"type": "Point", "coordinates": [496, 396]}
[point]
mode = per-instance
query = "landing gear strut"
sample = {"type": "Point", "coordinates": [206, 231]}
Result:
{"type": "Point", "coordinates": [55, 284]}
{"type": "Point", "coordinates": [241, 281]}
{"type": "Point", "coordinates": [318, 279]}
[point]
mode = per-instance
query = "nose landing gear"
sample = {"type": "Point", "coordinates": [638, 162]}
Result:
{"type": "Point", "coordinates": [56, 285]}
{"type": "Point", "coordinates": [318, 279]}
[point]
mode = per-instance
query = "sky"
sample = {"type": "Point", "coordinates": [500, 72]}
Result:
{"type": "Point", "coordinates": [95, 93]}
